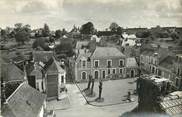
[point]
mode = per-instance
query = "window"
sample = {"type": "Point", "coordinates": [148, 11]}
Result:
{"type": "Point", "coordinates": [96, 63]}
{"type": "Point", "coordinates": [42, 85]}
{"type": "Point", "coordinates": [37, 85]}
{"type": "Point", "coordinates": [121, 63]}
{"type": "Point", "coordinates": [178, 72]}
{"type": "Point", "coordinates": [109, 63]}
{"type": "Point", "coordinates": [114, 71]}
{"type": "Point", "coordinates": [177, 80]}
{"type": "Point", "coordinates": [96, 74]}
{"type": "Point", "coordinates": [62, 79]}
{"type": "Point", "coordinates": [83, 63]}
{"type": "Point", "coordinates": [120, 71]}
{"type": "Point", "coordinates": [103, 74]}
{"type": "Point", "coordinates": [84, 75]}
{"type": "Point", "coordinates": [109, 72]}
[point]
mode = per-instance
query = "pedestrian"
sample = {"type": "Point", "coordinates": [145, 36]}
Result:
{"type": "Point", "coordinates": [129, 96]}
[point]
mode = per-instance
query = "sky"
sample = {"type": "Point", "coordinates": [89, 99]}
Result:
{"type": "Point", "coordinates": [60, 14]}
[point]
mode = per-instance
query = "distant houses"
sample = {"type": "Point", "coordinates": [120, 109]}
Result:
{"type": "Point", "coordinates": [163, 63]}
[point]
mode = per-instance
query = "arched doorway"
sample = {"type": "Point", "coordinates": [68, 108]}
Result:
{"type": "Point", "coordinates": [84, 75]}
{"type": "Point", "coordinates": [132, 73]}
{"type": "Point", "coordinates": [96, 74]}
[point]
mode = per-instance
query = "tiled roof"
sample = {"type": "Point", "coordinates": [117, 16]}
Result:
{"type": "Point", "coordinates": [42, 56]}
{"type": "Point", "coordinates": [24, 102]}
{"type": "Point", "coordinates": [172, 104]}
{"type": "Point", "coordinates": [131, 62]}
{"type": "Point", "coordinates": [101, 52]}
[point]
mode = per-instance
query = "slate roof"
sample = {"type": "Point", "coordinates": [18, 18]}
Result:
{"type": "Point", "coordinates": [10, 72]}
{"type": "Point", "coordinates": [131, 62]}
{"type": "Point", "coordinates": [172, 104]}
{"type": "Point", "coordinates": [162, 53]}
{"type": "Point", "coordinates": [79, 44]}
{"type": "Point", "coordinates": [42, 56]}
{"type": "Point", "coordinates": [167, 62]}
{"type": "Point", "coordinates": [83, 56]}
{"type": "Point", "coordinates": [53, 67]}
{"type": "Point", "coordinates": [24, 102]}
{"type": "Point", "coordinates": [101, 52]}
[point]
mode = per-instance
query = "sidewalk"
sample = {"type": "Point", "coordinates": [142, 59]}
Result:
{"type": "Point", "coordinates": [75, 96]}
{"type": "Point", "coordinates": [58, 105]}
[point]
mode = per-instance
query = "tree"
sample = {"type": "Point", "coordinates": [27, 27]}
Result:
{"type": "Point", "coordinates": [22, 32]}
{"type": "Point", "coordinates": [143, 34]}
{"type": "Point", "coordinates": [40, 42]}
{"type": "Point", "coordinates": [119, 30]}
{"type": "Point", "coordinates": [58, 34]}
{"type": "Point", "coordinates": [27, 28]}
{"type": "Point", "coordinates": [45, 31]}
{"type": "Point", "coordinates": [113, 27]}
{"type": "Point", "coordinates": [65, 47]}
{"type": "Point", "coordinates": [64, 31]}
{"type": "Point", "coordinates": [87, 28]}
{"type": "Point", "coordinates": [22, 36]}
{"type": "Point", "coordinates": [3, 35]}
{"type": "Point", "coordinates": [18, 26]}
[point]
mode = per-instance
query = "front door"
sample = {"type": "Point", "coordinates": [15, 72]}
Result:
{"type": "Point", "coordinates": [132, 73]}
{"type": "Point", "coordinates": [83, 75]}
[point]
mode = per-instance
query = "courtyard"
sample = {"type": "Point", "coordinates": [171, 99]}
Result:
{"type": "Point", "coordinates": [114, 94]}
{"type": "Point", "coordinates": [113, 91]}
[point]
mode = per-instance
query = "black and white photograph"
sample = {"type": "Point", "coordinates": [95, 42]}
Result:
{"type": "Point", "coordinates": [91, 58]}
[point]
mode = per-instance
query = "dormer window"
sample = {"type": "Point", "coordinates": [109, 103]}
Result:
{"type": "Point", "coordinates": [121, 63]}
{"type": "Point", "coordinates": [83, 63]}
{"type": "Point", "coordinates": [109, 63]}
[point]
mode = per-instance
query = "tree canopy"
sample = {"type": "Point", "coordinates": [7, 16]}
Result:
{"type": "Point", "coordinates": [45, 31]}
{"type": "Point", "coordinates": [113, 27]}
{"type": "Point", "coordinates": [58, 34]}
{"type": "Point", "coordinates": [22, 32]}
{"type": "Point", "coordinates": [87, 28]}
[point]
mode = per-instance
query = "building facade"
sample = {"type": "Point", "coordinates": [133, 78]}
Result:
{"type": "Point", "coordinates": [104, 63]}
{"type": "Point", "coordinates": [55, 80]}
